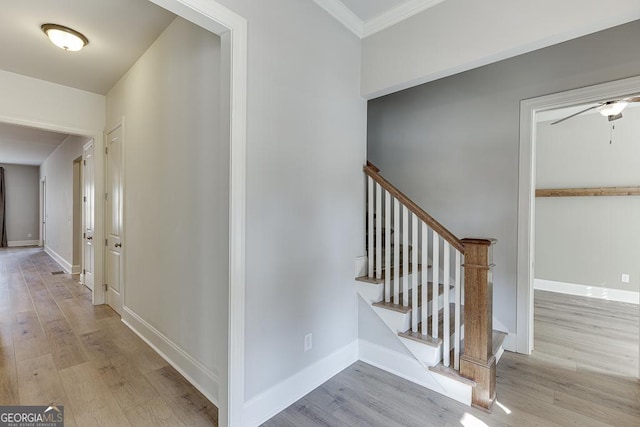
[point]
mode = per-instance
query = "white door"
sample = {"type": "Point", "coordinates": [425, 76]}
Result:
{"type": "Point", "coordinates": [114, 266]}
{"type": "Point", "coordinates": [88, 215]}
{"type": "Point", "coordinates": [43, 212]}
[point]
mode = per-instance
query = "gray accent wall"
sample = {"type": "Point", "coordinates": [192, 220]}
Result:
{"type": "Point", "coordinates": [588, 240]}
{"type": "Point", "coordinates": [22, 203]}
{"type": "Point", "coordinates": [452, 144]}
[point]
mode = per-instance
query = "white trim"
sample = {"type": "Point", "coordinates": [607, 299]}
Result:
{"type": "Point", "coordinates": [66, 266]}
{"type": "Point", "coordinates": [269, 403]}
{"type": "Point", "coordinates": [202, 378]}
{"type": "Point", "coordinates": [397, 14]}
{"type": "Point", "coordinates": [410, 369]}
{"type": "Point", "coordinates": [362, 28]}
{"type": "Point", "coordinates": [76, 269]}
{"type": "Point", "coordinates": [20, 243]}
{"type": "Point", "coordinates": [608, 294]}
{"type": "Point", "coordinates": [343, 14]}
{"type": "Point", "coordinates": [526, 188]}
{"type": "Point", "coordinates": [232, 28]}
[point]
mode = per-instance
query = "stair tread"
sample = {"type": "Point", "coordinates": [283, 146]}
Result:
{"type": "Point", "coordinates": [405, 309]}
{"type": "Point", "coordinates": [375, 280]}
{"type": "Point", "coordinates": [497, 338]}
{"type": "Point", "coordinates": [427, 338]}
{"type": "Point", "coordinates": [452, 373]}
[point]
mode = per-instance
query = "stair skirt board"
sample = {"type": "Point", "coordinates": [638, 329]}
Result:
{"type": "Point", "coordinates": [410, 369]}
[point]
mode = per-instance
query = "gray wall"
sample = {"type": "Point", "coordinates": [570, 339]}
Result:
{"type": "Point", "coordinates": [588, 240]}
{"type": "Point", "coordinates": [22, 203]}
{"type": "Point", "coordinates": [305, 149]}
{"type": "Point", "coordinates": [176, 181]}
{"type": "Point", "coordinates": [57, 169]}
{"type": "Point", "coordinates": [452, 144]}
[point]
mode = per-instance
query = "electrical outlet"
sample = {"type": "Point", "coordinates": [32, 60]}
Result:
{"type": "Point", "coordinates": [29, 235]}
{"type": "Point", "coordinates": [624, 278]}
{"type": "Point", "coordinates": [308, 342]}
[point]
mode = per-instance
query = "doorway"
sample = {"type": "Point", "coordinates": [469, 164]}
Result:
{"type": "Point", "coordinates": [527, 178]}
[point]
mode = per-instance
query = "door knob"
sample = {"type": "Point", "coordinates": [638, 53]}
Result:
{"type": "Point", "coordinates": [118, 245]}
{"type": "Point", "coordinates": [89, 237]}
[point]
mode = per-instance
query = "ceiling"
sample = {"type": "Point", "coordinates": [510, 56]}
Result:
{"type": "Point", "coordinates": [27, 146]}
{"type": "Point", "coordinates": [366, 17]}
{"type": "Point", "coordinates": [368, 9]}
{"type": "Point", "coordinates": [119, 32]}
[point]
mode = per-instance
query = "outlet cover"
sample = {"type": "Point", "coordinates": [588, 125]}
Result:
{"type": "Point", "coordinates": [625, 278]}
{"type": "Point", "coordinates": [308, 342]}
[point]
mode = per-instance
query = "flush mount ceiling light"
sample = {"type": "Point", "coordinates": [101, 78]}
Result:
{"type": "Point", "coordinates": [64, 37]}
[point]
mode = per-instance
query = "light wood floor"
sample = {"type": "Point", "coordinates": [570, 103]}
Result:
{"type": "Point", "coordinates": [570, 380]}
{"type": "Point", "coordinates": [56, 347]}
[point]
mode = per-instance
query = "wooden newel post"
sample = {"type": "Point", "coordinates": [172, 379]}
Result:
{"type": "Point", "coordinates": [478, 362]}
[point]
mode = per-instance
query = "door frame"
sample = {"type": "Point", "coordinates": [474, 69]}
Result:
{"type": "Point", "coordinates": [105, 217]}
{"type": "Point", "coordinates": [526, 188]}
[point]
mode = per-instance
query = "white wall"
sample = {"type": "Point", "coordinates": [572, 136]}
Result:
{"type": "Point", "coordinates": [305, 149]}
{"type": "Point", "coordinates": [176, 199]}
{"type": "Point", "coordinates": [452, 145]}
{"type": "Point", "coordinates": [50, 105]}
{"type": "Point", "coordinates": [22, 204]}
{"type": "Point", "coordinates": [458, 35]}
{"type": "Point", "coordinates": [588, 240]}
{"type": "Point", "coordinates": [57, 170]}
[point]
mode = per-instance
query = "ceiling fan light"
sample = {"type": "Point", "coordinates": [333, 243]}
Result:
{"type": "Point", "coordinates": [613, 108]}
{"type": "Point", "coordinates": [65, 38]}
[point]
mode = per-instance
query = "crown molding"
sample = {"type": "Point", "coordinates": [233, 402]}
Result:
{"type": "Point", "coordinates": [343, 14]}
{"type": "Point", "coordinates": [397, 14]}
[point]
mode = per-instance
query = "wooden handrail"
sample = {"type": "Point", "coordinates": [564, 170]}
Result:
{"type": "Point", "coordinates": [372, 171]}
{"type": "Point", "coordinates": [592, 191]}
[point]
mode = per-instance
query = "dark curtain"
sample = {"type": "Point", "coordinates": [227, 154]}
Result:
{"type": "Point", "coordinates": [3, 227]}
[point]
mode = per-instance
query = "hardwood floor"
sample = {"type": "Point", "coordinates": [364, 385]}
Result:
{"type": "Point", "coordinates": [582, 373]}
{"type": "Point", "coordinates": [56, 347]}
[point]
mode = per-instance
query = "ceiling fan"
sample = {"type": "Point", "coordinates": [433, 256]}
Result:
{"type": "Point", "coordinates": [611, 109]}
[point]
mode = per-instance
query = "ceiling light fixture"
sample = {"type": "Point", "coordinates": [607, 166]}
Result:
{"type": "Point", "coordinates": [612, 108]}
{"type": "Point", "coordinates": [64, 37]}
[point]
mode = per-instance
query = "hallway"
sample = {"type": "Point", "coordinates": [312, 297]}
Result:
{"type": "Point", "coordinates": [56, 347]}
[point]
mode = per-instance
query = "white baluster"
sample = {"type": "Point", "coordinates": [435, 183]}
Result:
{"type": "Point", "coordinates": [378, 231]}
{"type": "Point", "coordinates": [425, 279]}
{"type": "Point", "coordinates": [414, 273]}
{"type": "Point", "coordinates": [396, 252]}
{"type": "Point", "coordinates": [387, 246]}
{"type": "Point", "coordinates": [405, 256]}
{"type": "Point", "coordinates": [458, 286]}
{"type": "Point", "coordinates": [446, 334]}
{"type": "Point", "coordinates": [436, 284]}
{"type": "Point", "coordinates": [370, 210]}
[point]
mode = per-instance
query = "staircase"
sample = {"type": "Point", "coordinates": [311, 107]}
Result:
{"type": "Point", "coordinates": [434, 292]}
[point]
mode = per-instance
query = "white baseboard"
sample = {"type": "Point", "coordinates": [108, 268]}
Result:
{"type": "Point", "coordinates": [75, 269]}
{"type": "Point", "coordinates": [66, 266]}
{"type": "Point", "coordinates": [587, 291]}
{"type": "Point", "coordinates": [410, 369]}
{"type": "Point", "coordinates": [19, 243]}
{"type": "Point", "coordinates": [202, 378]}
{"type": "Point", "coordinates": [269, 403]}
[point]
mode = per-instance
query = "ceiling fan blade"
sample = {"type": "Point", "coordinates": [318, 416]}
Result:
{"type": "Point", "coordinates": [579, 112]}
